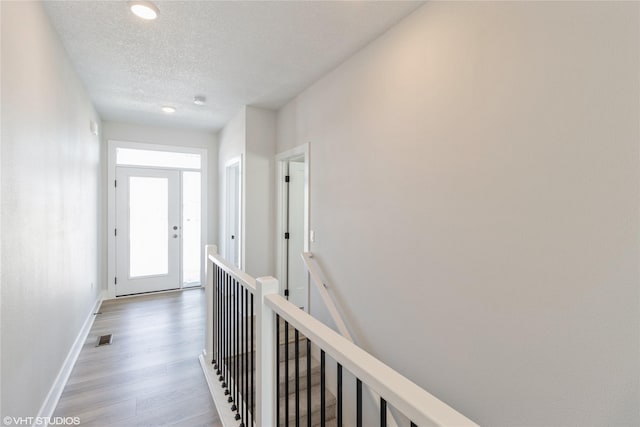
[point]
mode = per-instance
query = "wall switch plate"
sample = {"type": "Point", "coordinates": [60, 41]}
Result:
{"type": "Point", "coordinates": [312, 236]}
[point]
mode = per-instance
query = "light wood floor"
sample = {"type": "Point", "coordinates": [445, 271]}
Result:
{"type": "Point", "coordinates": [150, 375]}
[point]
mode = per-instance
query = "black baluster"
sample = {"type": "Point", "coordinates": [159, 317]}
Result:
{"type": "Point", "coordinates": [219, 329]}
{"type": "Point", "coordinates": [253, 355]}
{"type": "Point", "coordinates": [383, 413]}
{"type": "Point", "coordinates": [358, 402]}
{"type": "Point", "coordinates": [220, 324]}
{"type": "Point", "coordinates": [236, 353]}
{"type": "Point", "coordinates": [242, 393]}
{"type": "Point", "coordinates": [238, 381]}
{"type": "Point", "coordinates": [229, 340]}
{"type": "Point", "coordinates": [297, 371]}
{"type": "Point", "coordinates": [286, 373]}
{"type": "Point", "coordinates": [277, 370]}
{"type": "Point", "coordinates": [233, 379]}
{"type": "Point", "coordinates": [238, 358]}
{"type": "Point", "coordinates": [225, 335]}
{"type": "Point", "coordinates": [339, 387]}
{"type": "Point", "coordinates": [308, 382]}
{"type": "Point", "coordinates": [214, 323]}
{"type": "Point", "coordinates": [247, 392]}
{"type": "Point", "coordinates": [323, 415]}
{"type": "Point", "coordinates": [219, 317]}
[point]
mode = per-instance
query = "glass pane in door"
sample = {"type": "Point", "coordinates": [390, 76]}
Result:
{"type": "Point", "coordinates": [191, 245]}
{"type": "Point", "coordinates": [148, 226]}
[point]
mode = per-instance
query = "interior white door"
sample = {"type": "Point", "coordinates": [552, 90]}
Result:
{"type": "Point", "coordinates": [297, 278]}
{"type": "Point", "coordinates": [147, 230]}
{"type": "Point", "coordinates": [232, 248]}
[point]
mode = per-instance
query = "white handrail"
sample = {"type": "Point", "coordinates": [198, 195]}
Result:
{"type": "Point", "coordinates": [234, 271]}
{"type": "Point", "coordinates": [322, 286]}
{"type": "Point", "coordinates": [414, 402]}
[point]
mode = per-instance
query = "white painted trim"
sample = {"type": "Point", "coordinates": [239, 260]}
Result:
{"type": "Point", "coordinates": [111, 218]}
{"type": "Point", "coordinates": [158, 147]}
{"type": "Point", "coordinates": [112, 145]}
{"type": "Point", "coordinates": [281, 158]}
{"type": "Point", "coordinates": [227, 417]}
{"type": "Point", "coordinates": [237, 160]}
{"type": "Point", "coordinates": [51, 401]}
{"type": "Point", "coordinates": [244, 279]}
{"type": "Point", "coordinates": [208, 291]}
{"type": "Point", "coordinates": [168, 291]}
{"type": "Point", "coordinates": [265, 412]}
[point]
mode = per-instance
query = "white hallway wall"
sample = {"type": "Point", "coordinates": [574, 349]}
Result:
{"type": "Point", "coordinates": [251, 134]}
{"type": "Point", "coordinates": [231, 147]}
{"type": "Point", "coordinates": [260, 191]}
{"type": "Point", "coordinates": [474, 193]}
{"type": "Point", "coordinates": [164, 136]}
{"type": "Point", "coordinates": [50, 196]}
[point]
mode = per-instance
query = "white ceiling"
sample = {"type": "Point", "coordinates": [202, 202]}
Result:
{"type": "Point", "coordinates": [235, 53]}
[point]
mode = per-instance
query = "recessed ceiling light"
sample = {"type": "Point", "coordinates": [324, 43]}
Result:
{"type": "Point", "coordinates": [199, 100]}
{"type": "Point", "coordinates": [168, 109]}
{"type": "Point", "coordinates": [144, 9]}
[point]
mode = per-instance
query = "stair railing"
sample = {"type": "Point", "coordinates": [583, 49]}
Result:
{"type": "Point", "coordinates": [247, 398]}
{"type": "Point", "coordinates": [241, 371]}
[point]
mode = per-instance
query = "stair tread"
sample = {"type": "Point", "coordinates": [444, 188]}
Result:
{"type": "Point", "coordinates": [330, 402]}
{"type": "Point", "coordinates": [291, 340]}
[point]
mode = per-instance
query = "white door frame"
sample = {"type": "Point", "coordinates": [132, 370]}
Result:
{"type": "Point", "coordinates": [112, 145]}
{"type": "Point", "coordinates": [234, 162]}
{"type": "Point", "coordinates": [299, 152]}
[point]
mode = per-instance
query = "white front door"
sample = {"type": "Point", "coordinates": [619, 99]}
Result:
{"type": "Point", "coordinates": [147, 230]}
{"type": "Point", "coordinates": [297, 278]}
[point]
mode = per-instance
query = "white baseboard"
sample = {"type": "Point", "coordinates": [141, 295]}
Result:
{"type": "Point", "coordinates": [51, 401]}
{"type": "Point", "coordinates": [217, 393]}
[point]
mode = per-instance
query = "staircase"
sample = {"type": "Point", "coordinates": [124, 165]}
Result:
{"type": "Point", "coordinates": [242, 350]}
{"type": "Point", "coordinates": [287, 382]}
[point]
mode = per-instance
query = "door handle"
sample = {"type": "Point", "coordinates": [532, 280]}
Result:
{"type": "Point", "coordinates": [175, 227]}
{"type": "Point", "coordinates": [175, 236]}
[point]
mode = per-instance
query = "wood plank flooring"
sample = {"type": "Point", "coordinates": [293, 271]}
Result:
{"type": "Point", "coordinates": [150, 375]}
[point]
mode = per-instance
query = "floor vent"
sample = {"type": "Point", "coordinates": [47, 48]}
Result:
{"type": "Point", "coordinates": [105, 340]}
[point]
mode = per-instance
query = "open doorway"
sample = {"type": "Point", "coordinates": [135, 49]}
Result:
{"type": "Point", "coordinates": [293, 221]}
{"type": "Point", "coordinates": [156, 205]}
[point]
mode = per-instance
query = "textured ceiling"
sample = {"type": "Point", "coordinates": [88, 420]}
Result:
{"type": "Point", "coordinates": [234, 53]}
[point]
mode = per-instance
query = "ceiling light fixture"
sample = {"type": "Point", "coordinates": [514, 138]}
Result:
{"type": "Point", "coordinates": [144, 9]}
{"type": "Point", "coordinates": [168, 109]}
{"type": "Point", "coordinates": [199, 100]}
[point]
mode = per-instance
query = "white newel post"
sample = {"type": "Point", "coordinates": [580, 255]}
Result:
{"type": "Point", "coordinates": [265, 353]}
{"type": "Point", "coordinates": [208, 291]}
